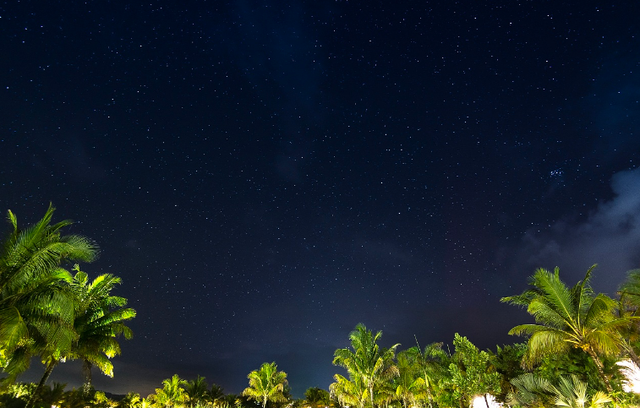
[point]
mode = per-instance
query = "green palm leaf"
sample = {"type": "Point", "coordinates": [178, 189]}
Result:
{"type": "Point", "coordinates": [266, 384]}
{"type": "Point", "coordinates": [569, 317]}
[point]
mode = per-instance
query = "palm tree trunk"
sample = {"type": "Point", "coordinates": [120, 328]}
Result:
{"type": "Point", "coordinates": [427, 381]}
{"type": "Point", "coordinates": [371, 395]}
{"type": "Point", "coordinates": [600, 367]}
{"type": "Point", "coordinates": [86, 374]}
{"type": "Point", "coordinates": [43, 380]}
{"type": "Point", "coordinates": [632, 354]}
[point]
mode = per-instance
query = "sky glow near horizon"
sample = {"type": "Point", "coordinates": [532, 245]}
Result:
{"type": "Point", "coordinates": [264, 175]}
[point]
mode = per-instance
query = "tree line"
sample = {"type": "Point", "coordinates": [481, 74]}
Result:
{"type": "Point", "coordinates": [580, 351]}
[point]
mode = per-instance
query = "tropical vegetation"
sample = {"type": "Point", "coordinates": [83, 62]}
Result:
{"type": "Point", "coordinates": [579, 351]}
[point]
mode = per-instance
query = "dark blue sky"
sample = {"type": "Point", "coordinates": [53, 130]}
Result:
{"type": "Point", "coordinates": [264, 175]}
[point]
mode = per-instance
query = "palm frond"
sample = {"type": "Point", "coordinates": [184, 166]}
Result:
{"type": "Point", "coordinates": [12, 327]}
{"type": "Point", "coordinates": [555, 293]}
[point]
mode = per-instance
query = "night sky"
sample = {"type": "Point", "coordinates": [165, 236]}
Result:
{"type": "Point", "coordinates": [264, 175]}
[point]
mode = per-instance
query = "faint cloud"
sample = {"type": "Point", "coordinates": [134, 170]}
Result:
{"type": "Point", "coordinates": [609, 236]}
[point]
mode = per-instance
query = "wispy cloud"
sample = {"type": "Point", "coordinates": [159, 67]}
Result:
{"type": "Point", "coordinates": [608, 236]}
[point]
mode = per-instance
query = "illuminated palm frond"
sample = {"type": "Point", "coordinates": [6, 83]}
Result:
{"type": "Point", "coordinates": [366, 361]}
{"type": "Point", "coordinates": [36, 306]}
{"type": "Point", "coordinates": [569, 318]}
{"type": "Point", "coordinates": [99, 320]}
{"type": "Point", "coordinates": [266, 384]}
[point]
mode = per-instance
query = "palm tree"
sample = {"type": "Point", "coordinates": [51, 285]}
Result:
{"type": "Point", "coordinates": [216, 395]}
{"type": "Point", "coordinates": [629, 305]}
{"type": "Point", "coordinates": [172, 394]}
{"type": "Point", "coordinates": [572, 393]}
{"type": "Point", "coordinates": [385, 395]}
{"type": "Point", "coordinates": [36, 309]}
{"type": "Point", "coordinates": [96, 326]}
{"type": "Point", "coordinates": [317, 397]}
{"type": "Point", "coordinates": [100, 400]}
{"type": "Point", "coordinates": [533, 391]}
{"type": "Point", "coordinates": [197, 391]}
{"type": "Point", "coordinates": [146, 403]}
{"type": "Point", "coordinates": [407, 383]}
{"type": "Point", "coordinates": [131, 400]}
{"type": "Point", "coordinates": [16, 395]}
{"type": "Point", "coordinates": [77, 399]}
{"type": "Point", "coordinates": [530, 390]}
{"type": "Point", "coordinates": [431, 364]}
{"type": "Point", "coordinates": [266, 384]}
{"type": "Point", "coordinates": [568, 317]}
{"type": "Point", "coordinates": [52, 396]}
{"type": "Point", "coordinates": [631, 288]}
{"type": "Point", "coordinates": [99, 319]}
{"type": "Point", "coordinates": [349, 393]}
{"type": "Point", "coordinates": [366, 361]}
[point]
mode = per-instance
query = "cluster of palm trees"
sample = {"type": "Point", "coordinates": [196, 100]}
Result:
{"type": "Point", "coordinates": [267, 386]}
{"type": "Point", "coordinates": [571, 359]}
{"type": "Point", "coordinates": [581, 351]}
{"type": "Point", "coordinates": [54, 313]}
{"type": "Point", "coordinates": [55, 395]}
{"type": "Point", "coordinates": [176, 392]}
{"type": "Point", "coordinates": [581, 348]}
{"type": "Point", "coordinates": [415, 377]}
